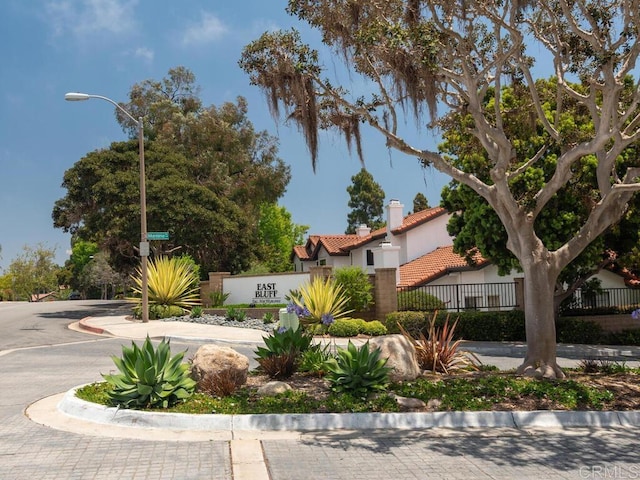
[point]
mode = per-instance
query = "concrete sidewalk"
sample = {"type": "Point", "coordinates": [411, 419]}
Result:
{"type": "Point", "coordinates": [123, 327]}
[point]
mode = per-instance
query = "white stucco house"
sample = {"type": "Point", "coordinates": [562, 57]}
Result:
{"type": "Point", "coordinates": [420, 248]}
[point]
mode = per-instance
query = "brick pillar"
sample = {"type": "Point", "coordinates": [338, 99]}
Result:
{"type": "Point", "coordinates": [385, 292]}
{"type": "Point", "coordinates": [322, 271]}
{"type": "Point", "coordinates": [215, 284]}
{"type": "Point", "coordinates": [519, 293]}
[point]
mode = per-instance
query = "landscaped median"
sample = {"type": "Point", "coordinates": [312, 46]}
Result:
{"type": "Point", "coordinates": [72, 406]}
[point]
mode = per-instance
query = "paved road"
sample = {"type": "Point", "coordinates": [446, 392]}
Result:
{"type": "Point", "coordinates": [36, 364]}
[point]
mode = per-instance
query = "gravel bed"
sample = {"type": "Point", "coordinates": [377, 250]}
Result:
{"type": "Point", "coordinates": [206, 319]}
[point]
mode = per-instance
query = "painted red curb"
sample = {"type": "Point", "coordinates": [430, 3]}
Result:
{"type": "Point", "coordinates": [90, 328]}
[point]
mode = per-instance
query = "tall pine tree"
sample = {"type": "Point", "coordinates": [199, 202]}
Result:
{"type": "Point", "coordinates": [366, 202]}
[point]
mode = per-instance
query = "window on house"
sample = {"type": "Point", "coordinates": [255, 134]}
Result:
{"type": "Point", "coordinates": [369, 257]}
{"type": "Point", "coordinates": [322, 262]}
{"type": "Point", "coordinates": [472, 303]}
{"type": "Point", "coordinates": [493, 302]}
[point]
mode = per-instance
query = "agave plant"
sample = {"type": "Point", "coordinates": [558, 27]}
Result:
{"type": "Point", "coordinates": [149, 377]}
{"type": "Point", "coordinates": [358, 371]}
{"type": "Point", "coordinates": [439, 352]}
{"type": "Point", "coordinates": [281, 356]}
{"type": "Point", "coordinates": [171, 282]}
{"type": "Point", "coordinates": [320, 302]}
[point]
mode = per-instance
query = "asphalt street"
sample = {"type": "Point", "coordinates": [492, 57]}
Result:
{"type": "Point", "coordinates": [40, 357]}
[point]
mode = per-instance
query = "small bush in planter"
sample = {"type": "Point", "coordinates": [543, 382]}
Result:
{"type": "Point", "coordinates": [373, 328]}
{"type": "Point", "coordinates": [346, 327]}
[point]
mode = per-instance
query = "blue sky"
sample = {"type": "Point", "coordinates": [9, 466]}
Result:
{"type": "Point", "coordinates": [103, 47]}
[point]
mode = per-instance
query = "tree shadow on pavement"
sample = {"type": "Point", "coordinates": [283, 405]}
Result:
{"type": "Point", "coordinates": [559, 449]}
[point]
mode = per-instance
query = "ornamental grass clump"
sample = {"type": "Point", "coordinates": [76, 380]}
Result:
{"type": "Point", "coordinates": [319, 302]}
{"type": "Point", "coordinates": [149, 377]}
{"type": "Point", "coordinates": [172, 282]}
{"type": "Point", "coordinates": [438, 352]}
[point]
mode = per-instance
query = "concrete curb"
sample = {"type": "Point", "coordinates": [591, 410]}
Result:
{"type": "Point", "coordinates": [74, 407]}
{"type": "Point", "coordinates": [90, 328]}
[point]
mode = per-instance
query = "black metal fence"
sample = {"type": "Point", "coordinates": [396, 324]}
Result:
{"type": "Point", "coordinates": [603, 298]}
{"type": "Point", "coordinates": [459, 297]}
{"type": "Point", "coordinates": [502, 296]}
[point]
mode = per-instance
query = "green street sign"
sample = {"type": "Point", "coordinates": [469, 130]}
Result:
{"type": "Point", "coordinates": [157, 235]}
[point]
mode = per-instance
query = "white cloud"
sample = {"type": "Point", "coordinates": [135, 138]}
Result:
{"type": "Point", "coordinates": [144, 53]}
{"type": "Point", "coordinates": [208, 29]}
{"type": "Point", "coordinates": [87, 17]}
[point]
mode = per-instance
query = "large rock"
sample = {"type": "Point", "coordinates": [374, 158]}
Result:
{"type": "Point", "coordinates": [400, 354]}
{"type": "Point", "coordinates": [212, 360]}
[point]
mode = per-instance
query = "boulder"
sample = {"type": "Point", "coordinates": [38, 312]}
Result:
{"type": "Point", "coordinates": [271, 389]}
{"type": "Point", "coordinates": [212, 360]}
{"type": "Point", "coordinates": [400, 354]}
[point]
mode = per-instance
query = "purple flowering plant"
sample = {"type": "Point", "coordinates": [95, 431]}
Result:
{"type": "Point", "coordinates": [636, 314]}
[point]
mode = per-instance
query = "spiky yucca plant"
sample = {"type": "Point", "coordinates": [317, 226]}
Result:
{"type": "Point", "coordinates": [324, 301]}
{"type": "Point", "coordinates": [171, 282]}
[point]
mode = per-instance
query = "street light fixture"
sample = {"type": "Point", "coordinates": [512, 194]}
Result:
{"type": "Point", "coordinates": [144, 243]}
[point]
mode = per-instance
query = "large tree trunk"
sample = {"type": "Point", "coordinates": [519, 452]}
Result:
{"type": "Point", "coordinates": [539, 285]}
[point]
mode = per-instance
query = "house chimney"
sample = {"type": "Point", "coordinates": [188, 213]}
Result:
{"type": "Point", "coordinates": [363, 230]}
{"type": "Point", "coordinates": [394, 215]}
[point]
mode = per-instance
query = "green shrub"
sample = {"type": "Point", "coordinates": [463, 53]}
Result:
{"type": "Point", "coordinates": [355, 286]}
{"type": "Point", "coordinates": [575, 330]}
{"type": "Point", "coordinates": [373, 328]}
{"type": "Point", "coordinates": [149, 377]}
{"type": "Point", "coordinates": [280, 356]}
{"type": "Point", "coordinates": [313, 360]}
{"type": "Point", "coordinates": [412, 322]}
{"type": "Point", "coordinates": [196, 312]}
{"type": "Point", "coordinates": [268, 317]}
{"type": "Point", "coordinates": [418, 301]}
{"type": "Point", "coordinates": [346, 327]}
{"type": "Point", "coordinates": [359, 371]}
{"type": "Point", "coordinates": [157, 312]}
{"type": "Point", "coordinates": [235, 314]}
{"type": "Point", "coordinates": [218, 298]}
{"type": "Point", "coordinates": [472, 325]}
{"type": "Point", "coordinates": [625, 337]}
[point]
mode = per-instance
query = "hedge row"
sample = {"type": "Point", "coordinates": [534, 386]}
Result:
{"type": "Point", "coordinates": [508, 327]}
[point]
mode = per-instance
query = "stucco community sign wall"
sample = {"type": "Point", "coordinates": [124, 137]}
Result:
{"type": "Point", "coordinates": [262, 289]}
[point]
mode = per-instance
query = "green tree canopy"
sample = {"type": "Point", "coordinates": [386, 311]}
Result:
{"type": "Point", "coordinates": [207, 173]}
{"type": "Point", "coordinates": [34, 271]}
{"type": "Point", "coordinates": [420, 202]}
{"type": "Point", "coordinates": [278, 234]}
{"type": "Point", "coordinates": [476, 226]}
{"type": "Point", "coordinates": [366, 199]}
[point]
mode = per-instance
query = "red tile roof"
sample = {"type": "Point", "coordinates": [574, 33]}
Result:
{"type": "Point", "coordinates": [340, 245]}
{"type": "Point", "coordinates": [301, 252]}
{"type": "Point", "coordinates": [435, 264]}
{"type": "Point", "coordinates": [418, 218]}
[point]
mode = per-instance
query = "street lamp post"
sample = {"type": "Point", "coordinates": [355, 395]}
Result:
{"type": "Point", "coordinates": [144, 243]}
